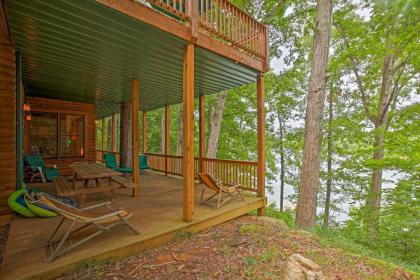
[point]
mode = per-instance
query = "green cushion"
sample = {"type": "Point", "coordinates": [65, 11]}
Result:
{"type": "Point", "coordinates": [51, 173]}
{"type": "Point", "coordinates": [110, 161]}
{"type": "Point", "coordinates": [143, 163]}
{"type": "Point", "coordinates": [35, 161]}
{"type": "Point", "coordinates": [124, 169]}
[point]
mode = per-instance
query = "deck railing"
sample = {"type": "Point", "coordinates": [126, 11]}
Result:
{"type": "Point", "coordinates": [228, 171]}
{"type": "Point", "coordinates": [221, 19]}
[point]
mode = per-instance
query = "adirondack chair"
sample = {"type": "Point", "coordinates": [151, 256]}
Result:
{"type": "Point", "coordinates": [144, 164]}
{"type": "Point", "coordinates": [111, 162]}
{"type": "Point", "coordinates": [39, 169]}
{"type": "Point", "coordinates": [218, 189]}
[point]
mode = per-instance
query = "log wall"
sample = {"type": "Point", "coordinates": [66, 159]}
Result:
{"type": "Point", "coordinates": [39, 104]}
{"type": "Point", "coordinates": [7, 115]}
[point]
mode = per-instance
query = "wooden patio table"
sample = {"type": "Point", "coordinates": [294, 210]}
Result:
{"type": "Point", "coordinates": [88, 172]}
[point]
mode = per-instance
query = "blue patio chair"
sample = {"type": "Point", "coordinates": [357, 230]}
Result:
{"type": "Point", "coordinates": [144, 164]}
{"type": "Point", "coordinates": [37, 164]}
{"type": "Point", "coordinates": [111, 162]}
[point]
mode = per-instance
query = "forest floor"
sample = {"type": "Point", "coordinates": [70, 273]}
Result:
{"type": "Point", "coordinates": [246, 248]}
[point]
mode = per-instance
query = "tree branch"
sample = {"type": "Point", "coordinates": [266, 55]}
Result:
{"type": "Point", "coordinates": [358, 78]}
{"type": "Point", "coordinates": [395, 90]}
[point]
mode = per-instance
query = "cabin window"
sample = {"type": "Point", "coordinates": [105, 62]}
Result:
{"type": "Point", "coordinates": [57, 135]}
{"type": "Point", "coordinates": [71, 135]}
{"type": "Point", "coordinates": [43, 134]}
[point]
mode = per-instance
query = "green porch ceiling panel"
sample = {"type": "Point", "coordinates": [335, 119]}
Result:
{"type": "Point", "coordinates": [79, 50]}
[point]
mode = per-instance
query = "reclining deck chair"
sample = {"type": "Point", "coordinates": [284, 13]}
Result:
{"type": "Point", "coordinates": [219, 188]}
{"type": "Point", "coordinates": [39, 168]}
{"type": "Point", "coordinates": [111, 163]}
{"type": "Point", "coordinates": [102, 223]}
{"type": "Point", "coordinates": [144, 164]}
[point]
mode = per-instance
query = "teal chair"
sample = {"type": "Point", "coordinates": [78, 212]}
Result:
{"type": "Point", "coordinates": [144, 164]}
{"type": "Point", "coordinates": [111, 162]}
{"type": "Point", "coordinates": [39, 169]}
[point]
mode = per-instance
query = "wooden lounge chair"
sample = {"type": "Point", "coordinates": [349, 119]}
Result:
{"type": "Point", "coordinates": [219, 189]}
{"type": "Point", "coordinates": [40, 169]}
{"type": "Point", "coordinates": [101, 222]}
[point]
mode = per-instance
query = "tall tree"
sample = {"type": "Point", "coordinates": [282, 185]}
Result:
{"type": "Point", "coordinates": [382, 66]}
{"type": "Point", "coordinates": [216, 121]}
{"type": "Point", "coordinates": [125, 135]}
{"type": "Point", "coordinates": [309, 180]}
{"type": "Point", "coordinates": [282, 161]}
{"type": "Point", "coordinates": [179, 132]}
{"type": "Point", "coordinates": [329, 163]}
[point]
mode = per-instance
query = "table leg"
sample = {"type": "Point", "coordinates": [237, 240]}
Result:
{"type": "Point", "coordinates": [74, 180]}
{"type": "Point", "coordinates": [111, 190]}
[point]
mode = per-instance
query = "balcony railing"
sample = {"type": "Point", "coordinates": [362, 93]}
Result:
{"type": "Point", "coordinates": [220, 19]}
{"type": "Point", "coordinates": [228, 171]}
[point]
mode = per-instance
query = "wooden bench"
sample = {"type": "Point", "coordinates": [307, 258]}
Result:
{"type": "Point", "coordinates": [124, 182]}
{"type": "Point", "coordinates": [66, 188]}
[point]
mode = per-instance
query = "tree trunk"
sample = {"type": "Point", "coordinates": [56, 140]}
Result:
{"type": "Point", "coordinates": [309, 180]}
{"type": "Point", "coordinates": [374, 194]}
{"type": "Point", "coordinates": [179, 135]}
{"type": "Point", "coordinates": [216, 121]}
{"type": "Point", "coordinates": [329, 164]}
{"type": "Point", "coordinates": [162, 132]}
{"type": "Point", "coordinates": [282, 167]}
{"type": "Point", "coordinates": [125, 135]}
{"type": "Point", "coordinates": [109, 135]}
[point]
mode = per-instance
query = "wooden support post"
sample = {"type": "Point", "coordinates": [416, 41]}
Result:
{"type": "Point", "coordinates": [202, 132]}
{"type": "Point", "coordinates": [167, 144]}
{"type": "Point", "coordinates": [103, 138]}
{"type": "Point", "coordinates": [260, 141]}
{"type": "Point", "coordinates": [144, 131]}
{"type": "Point", "coordinates": [135, 135]}
{"type": "Point", "coordinates": [113, 134]}
{"type": "Point", "coordinates": [188, 133]}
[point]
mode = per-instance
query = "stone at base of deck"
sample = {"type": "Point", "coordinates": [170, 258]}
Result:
{"type": "Point", "coordinates": [135, 244]}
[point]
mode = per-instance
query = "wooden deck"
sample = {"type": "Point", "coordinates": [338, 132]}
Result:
{"type": "Point", "coordinates": [157, 215]}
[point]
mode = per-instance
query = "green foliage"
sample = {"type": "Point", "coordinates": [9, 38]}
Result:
{"type": "Point", "coordinates": [363, 34]}
{"type": "Point", "coordinates": [287, 216]}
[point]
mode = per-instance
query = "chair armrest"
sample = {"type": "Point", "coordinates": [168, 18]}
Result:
{"type": "Point", "coordinates": [51, 165]}
{"type": "Point", "coordinates": [112, 214]}
{"type": "Point", "coordinates": [95, 206]}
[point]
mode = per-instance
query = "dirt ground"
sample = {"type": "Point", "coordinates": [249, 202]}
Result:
{"type": "Point", "coordinates": [245, 248]}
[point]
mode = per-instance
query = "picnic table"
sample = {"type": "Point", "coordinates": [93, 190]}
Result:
{"type": "Point", "coordinates": [89, 173]}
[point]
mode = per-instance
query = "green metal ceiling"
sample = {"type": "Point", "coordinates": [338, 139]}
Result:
{"type": "Point", "coordinates": [79, 50]}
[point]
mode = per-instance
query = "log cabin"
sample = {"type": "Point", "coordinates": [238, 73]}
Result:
{"type": "Point", "coordinates": [68, 65]}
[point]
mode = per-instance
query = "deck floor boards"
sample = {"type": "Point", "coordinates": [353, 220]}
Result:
{"type": "Point", "coordinates": [157, 214]}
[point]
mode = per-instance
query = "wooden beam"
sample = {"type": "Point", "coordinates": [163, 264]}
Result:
{"type": "Point", "coordinates": [167, 144]}
{"type": "Point", "coordinates": [144, 132]}
{"type": "Point", "coordinates": [135, 135]}
{"type": "Point", "coordinates": [201, 132]}
{"type": "Point", "coordinates": [188, 133]}
{"type": "Point", "coordinates": [260, 141]}
{"type": "Point", "coordinates": [113, 133]}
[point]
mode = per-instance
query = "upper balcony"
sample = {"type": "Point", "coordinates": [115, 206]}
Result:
{"type": "Point", "coordinates": [207, 23]}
